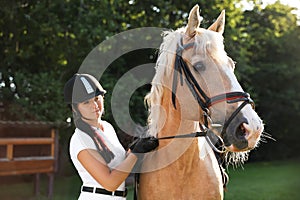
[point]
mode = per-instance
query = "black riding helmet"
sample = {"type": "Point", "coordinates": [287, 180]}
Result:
{"type": "Point", "coordinates": [82, 87]}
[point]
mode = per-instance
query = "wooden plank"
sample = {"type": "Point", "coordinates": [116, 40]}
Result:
{"type": "Point", "coordinates": [37, 184]}
{"type": "Point", "coordinates": [53, 144]}
{"type": "Point", "coordinates": [50, 185]}
{"type": "Point", "coordinates": [26, 141]}
{"type": "Point", "coordinates": [9, 151]}
{"type": "Point", "coordinates": [26, 167]}
{"type": "Point", "coordinates": [56, 149]}
{"type": "Point", "coordinates": [40, 158]}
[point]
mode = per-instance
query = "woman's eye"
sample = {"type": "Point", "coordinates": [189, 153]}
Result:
{"type": "Point", "coordinates": [98, 98]}
{"type": "Point", "coordinates": [199, 66]}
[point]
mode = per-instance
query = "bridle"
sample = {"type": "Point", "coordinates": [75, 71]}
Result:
{"type": "Point", "coordinates": [182, 70]}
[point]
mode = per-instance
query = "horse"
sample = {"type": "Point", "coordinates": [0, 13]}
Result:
{"type": "Point", "coordinates": [194, 90]}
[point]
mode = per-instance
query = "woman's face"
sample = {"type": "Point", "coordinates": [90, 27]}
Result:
{"type": "Point", "coordinates": [91, 109]}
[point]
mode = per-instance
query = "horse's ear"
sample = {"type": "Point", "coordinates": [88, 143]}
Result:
{"type": "Point", "coordinates": [219, 24]}
{"type": "Point", "coordinates": [193, 21]}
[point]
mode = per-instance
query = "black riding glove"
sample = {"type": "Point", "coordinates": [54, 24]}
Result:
{"type": "Point", "coordinates": [143, 145]}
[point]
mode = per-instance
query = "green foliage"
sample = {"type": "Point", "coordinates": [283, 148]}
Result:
{"type": "Point", "coordinates": [41, 93]}
{"type": "Point", "coordinates": [271, 38]}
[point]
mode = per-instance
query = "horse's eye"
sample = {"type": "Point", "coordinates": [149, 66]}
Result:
{"type": "Point", "coordinates": [199, 66]}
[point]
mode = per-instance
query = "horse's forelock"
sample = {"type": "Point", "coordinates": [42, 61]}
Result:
{"type": "Point", "coordinates": [210, 44]}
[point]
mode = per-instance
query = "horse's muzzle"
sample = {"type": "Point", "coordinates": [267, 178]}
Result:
{"type": "Point", "coordinates": [236, 134]}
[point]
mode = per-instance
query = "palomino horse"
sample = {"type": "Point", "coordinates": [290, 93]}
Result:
{"type": "Point", "coordinates": [194, 89]}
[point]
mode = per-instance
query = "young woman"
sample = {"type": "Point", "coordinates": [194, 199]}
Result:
{"type": "Point", "coordinates": [95, 150]}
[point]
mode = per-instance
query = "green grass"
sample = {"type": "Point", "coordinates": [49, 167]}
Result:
{"type": "Point", "coordinates": [257, 181]}
{"type": "Point", "coordinates": [265, 181]}
{"type": "Point", "coordinates": [64, 188]}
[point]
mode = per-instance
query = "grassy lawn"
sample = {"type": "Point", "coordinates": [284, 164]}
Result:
{"type": "Point", "coordinates": [257, 181]}
{"type": "Point", "coordinates": [265, 181]}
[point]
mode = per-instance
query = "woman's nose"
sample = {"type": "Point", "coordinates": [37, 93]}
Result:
{"type": "Point", "coordinates": [95, 104]}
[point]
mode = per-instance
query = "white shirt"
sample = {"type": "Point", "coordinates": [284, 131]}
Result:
{"type": "Point", "coordinates": [80, 141]}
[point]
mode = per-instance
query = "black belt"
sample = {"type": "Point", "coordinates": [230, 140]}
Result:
{"type": "Point", "coordinates": [104, 191]}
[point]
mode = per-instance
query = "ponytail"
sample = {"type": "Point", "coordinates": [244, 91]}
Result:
{"type": "Point", "coordinates": [104, 151]}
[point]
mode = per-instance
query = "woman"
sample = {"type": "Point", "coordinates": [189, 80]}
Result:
{"type": "Point", "coordinates": [95, 150]}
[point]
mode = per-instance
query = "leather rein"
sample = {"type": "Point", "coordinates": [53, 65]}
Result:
{"type": "Point", "coordinates": [182, 70]}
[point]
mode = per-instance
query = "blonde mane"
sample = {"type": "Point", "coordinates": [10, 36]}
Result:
{"type": "Point", "coordinates": [208, 43]}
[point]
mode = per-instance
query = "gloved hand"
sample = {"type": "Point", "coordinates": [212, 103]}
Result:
{"type": "Point", "coordinates": [144, 145]}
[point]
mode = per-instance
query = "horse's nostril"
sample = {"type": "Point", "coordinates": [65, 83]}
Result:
{"type": "Point", "coordinates": [241, 131]}
{"type": "Point", "coordinates": [242, 128]}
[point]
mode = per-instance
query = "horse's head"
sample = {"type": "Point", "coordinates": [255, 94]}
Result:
{"type": "Point", "coordinates": [204, 84]}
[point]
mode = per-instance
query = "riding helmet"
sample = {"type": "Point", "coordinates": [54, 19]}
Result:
{"type": "Point", "coordinates": [82, 87]}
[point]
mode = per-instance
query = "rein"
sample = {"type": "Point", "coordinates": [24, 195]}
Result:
{"type": "Point", "coordinates": [189, 135]}
{"type": "Point", "coordinates": [193, 135]}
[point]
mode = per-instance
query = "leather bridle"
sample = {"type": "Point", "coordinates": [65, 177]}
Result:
{"type": "Point", "coordinates": [182, 70]}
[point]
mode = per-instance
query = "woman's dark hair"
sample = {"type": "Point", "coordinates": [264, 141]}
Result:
{"type": "Point", "coordinates": [104, 151]}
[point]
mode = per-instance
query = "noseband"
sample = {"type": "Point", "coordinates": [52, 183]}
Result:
{"type": "Point", "coordinates": [205, 102]}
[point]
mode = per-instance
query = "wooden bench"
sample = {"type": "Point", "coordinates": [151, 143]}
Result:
{"type": "Point", "coordinates": [29, 148]}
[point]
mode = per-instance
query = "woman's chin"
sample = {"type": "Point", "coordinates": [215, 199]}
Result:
{"type": "Point", "coordinates": [98, 114]}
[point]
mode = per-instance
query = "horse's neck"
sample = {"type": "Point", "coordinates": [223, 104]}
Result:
{"type": "Point", "coordinates": [179, 156]}
{"type": "Point", "coordinates": [174, 126]}
{"type": "Point", "coordinates": [172, 122]}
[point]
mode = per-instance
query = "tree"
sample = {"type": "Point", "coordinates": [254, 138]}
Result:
{"type": "Point", "coordinates": [271, 35]}
{"type": "Point", "coordinates": [40, 37]}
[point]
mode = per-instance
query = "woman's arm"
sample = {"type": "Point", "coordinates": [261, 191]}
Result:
{"type": "Point", "coordinates": [96, 166]}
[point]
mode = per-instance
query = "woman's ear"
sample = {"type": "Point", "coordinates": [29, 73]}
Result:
{"type": "Point", "coordinates": [75, 110]}
{"type": "Point", "coordinates": [76, 113]}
